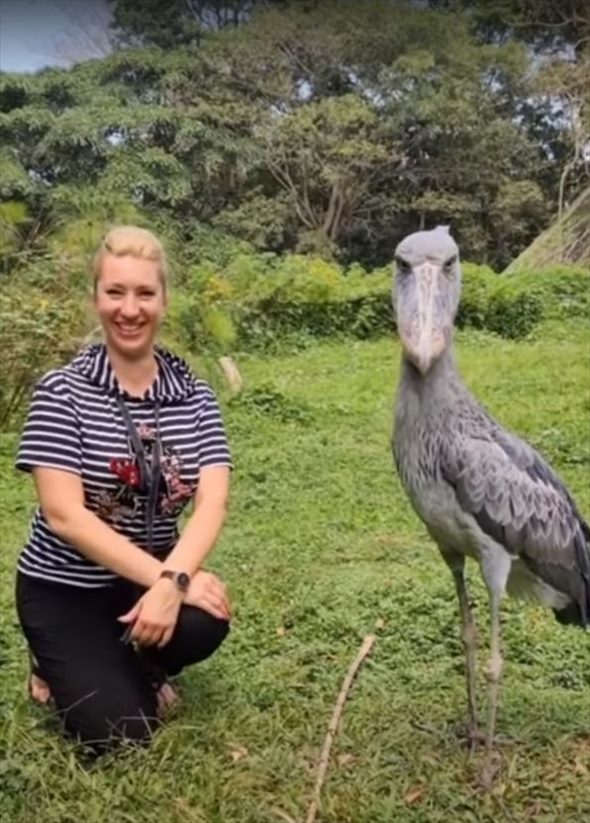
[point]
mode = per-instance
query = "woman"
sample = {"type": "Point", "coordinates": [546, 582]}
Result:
{"type": "Point", "coordinates": [110, 598]}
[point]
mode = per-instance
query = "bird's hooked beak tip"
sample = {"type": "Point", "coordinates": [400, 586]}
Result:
{"type": "Point", "coordinates": [423, 364]}
{"type": "Point", "coordinates": [421, 361]}
{"type": "Point", "coordinates": [423, 352]}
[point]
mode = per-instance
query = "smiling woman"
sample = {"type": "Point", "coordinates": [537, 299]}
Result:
{"type": "Point", "coordinates": [119, 441]}
{"type": "Point", "coordinates": [130, 295]}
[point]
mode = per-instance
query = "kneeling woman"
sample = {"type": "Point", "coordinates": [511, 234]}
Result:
{"type": "Point", "coordinates": [110, 598]}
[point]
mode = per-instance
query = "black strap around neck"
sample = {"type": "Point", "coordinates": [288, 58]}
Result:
{"type": "Point", "coordinates": [149, 476]}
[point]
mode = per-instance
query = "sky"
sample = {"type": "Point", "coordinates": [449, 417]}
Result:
{"type": "Point", "coordinates": [31, 31]}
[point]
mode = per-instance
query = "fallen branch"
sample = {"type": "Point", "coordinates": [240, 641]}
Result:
{"type": "Point", "coordinates": [333, 726]}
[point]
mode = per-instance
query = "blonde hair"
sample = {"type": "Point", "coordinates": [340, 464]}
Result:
{"type": "Point", "coordinates": [135, 242]}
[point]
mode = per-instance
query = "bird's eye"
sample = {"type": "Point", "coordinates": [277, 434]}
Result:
{"type": "Point", "coordinates": [449, 264]}
{"type": "Point", "coordinates": [402, 265]}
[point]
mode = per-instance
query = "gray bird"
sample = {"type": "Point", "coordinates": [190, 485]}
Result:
{"type": "Point", "coordinates": [481, 491]}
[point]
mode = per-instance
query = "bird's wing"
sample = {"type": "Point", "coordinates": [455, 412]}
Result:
{"type": "Point", "coordinates": [519, 501]}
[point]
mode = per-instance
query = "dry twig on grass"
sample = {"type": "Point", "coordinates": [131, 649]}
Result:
{"type": "Point", "coordinates": [333, 726]}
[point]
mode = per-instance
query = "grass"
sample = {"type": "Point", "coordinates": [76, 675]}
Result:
{"type": "Point", "coordinates": [320, 545]}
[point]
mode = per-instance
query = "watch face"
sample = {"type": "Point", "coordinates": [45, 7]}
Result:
{"type": "Point", "coordinates": [183, 581]}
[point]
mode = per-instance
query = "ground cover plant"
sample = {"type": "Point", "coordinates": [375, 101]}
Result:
{"type": "Point", "coordinates": [320, 547]}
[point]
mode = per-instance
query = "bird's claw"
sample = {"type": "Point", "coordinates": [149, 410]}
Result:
{"type": "Point", "coordinates": [490, 770]}
{"type": "Point", "coordinates": [470, 736]}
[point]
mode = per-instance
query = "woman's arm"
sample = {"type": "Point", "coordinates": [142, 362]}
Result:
{"type": "Point", "coordinates": [203, 526]}
{"type": "Point", "coordinates": [61, 498]}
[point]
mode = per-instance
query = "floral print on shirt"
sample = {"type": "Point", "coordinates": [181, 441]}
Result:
{"type": "Point", "coordinates": [126, 499]}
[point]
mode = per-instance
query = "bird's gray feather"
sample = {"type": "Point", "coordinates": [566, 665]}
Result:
{"type": "Point", "coordinates": [519, 501]}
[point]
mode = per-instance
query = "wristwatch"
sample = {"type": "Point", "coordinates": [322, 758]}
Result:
{"type": "Point", "coordinates": [180, 579]}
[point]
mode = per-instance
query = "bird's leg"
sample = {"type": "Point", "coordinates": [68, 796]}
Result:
{"type": "Point", "coordinates": [494, 675]}
{"type": "Point", "coordinates": [469, 636]}
{"type": "Point", "coordinates": [494, 670]}
{"type": "Point", "coordinates": [495, 567]}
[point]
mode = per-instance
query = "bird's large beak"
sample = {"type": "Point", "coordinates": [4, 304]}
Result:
{"type": "Point", "coordinates": [423, 330]}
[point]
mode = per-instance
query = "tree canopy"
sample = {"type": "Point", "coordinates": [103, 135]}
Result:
{"type": "Point", "coordinates": [330, 127]}
{"type": "Point", "coordinates": [282, 149]}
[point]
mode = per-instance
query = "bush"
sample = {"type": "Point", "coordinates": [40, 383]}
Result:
{"type": "Point", "coordinates": [563, 291]}
{"type": "Point", "coordinates": [267, 299]}
{"type": "Point", "coordinates": [248, 301]}
{"type": "Point", "coordinates": [39, 331]}
{"type": "Point", "coordinates": [512, 313]}
{"type": "Point", "coordinates": [499, 304]}
{"type": "Point", "coordinates": [511, 305]}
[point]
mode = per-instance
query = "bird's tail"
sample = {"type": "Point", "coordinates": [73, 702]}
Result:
{"type": "Point", "coordinates": [577, 613]}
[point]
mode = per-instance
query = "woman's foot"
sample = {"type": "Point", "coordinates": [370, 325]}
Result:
{"type": "Point", "coordinates": [166, 697]}
{"type": "Point", "coordinates": [166, 700]}
{"type": "Point", "coordinates": [39, 691]}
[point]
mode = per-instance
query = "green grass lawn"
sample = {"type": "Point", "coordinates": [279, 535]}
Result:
{"type": "Point", "coordinates": [319, 546]}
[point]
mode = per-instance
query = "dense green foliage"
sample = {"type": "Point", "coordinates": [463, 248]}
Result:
{"type": "Point", "coordinates": [261, 302]}
{"type": "Point", "coordinates": [257, 301]}
{"type": "Point", "coordinates": [333, 127]}
{"type": "Point", "coordinates": [282, 150]}
{"type": "Point", "coordinates": [321, 543]}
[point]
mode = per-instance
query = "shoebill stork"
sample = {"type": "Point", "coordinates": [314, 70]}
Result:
{"type": "Point", "coordinates": [481, 491]}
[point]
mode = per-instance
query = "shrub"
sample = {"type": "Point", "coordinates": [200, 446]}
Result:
{"type": "Point", "coordinates": [39, 331]}
{"type": "Point", "coordinates": [268, 299]}
{"type": "Point", "coordinates": [271, 300]}
{"type": "Point", "coordinates": [511, 305]}
{"type": "Point", "coordinates": [563, 291]}
{"type": "Point", "coordinates": [248, 301]}
{"type": "Point", "coordinates": [503, 305]}
{"type": "Point", "coordinates": [512, 313]}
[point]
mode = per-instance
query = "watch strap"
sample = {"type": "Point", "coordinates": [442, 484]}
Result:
{"type": "Point", "coordinates": [180, 579]}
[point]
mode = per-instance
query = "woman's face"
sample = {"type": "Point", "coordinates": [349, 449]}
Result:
{"type": "Point", "coordinates": [130, 302]}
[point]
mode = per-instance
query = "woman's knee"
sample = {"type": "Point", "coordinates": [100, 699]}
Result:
{"type": "Point", "coordinates": [198, 634]}
{"type": "Point", "coordinates": [204, 631]}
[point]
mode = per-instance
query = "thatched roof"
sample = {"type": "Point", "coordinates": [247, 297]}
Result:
{"type": "Point", "coordinates": [567, 241]}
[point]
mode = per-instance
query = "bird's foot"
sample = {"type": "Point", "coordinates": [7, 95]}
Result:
{"type": "Point", "coordinates": [469, 736]}
{"type": "Point", "coordinates": [424, 727]}
{"type": "Point", "coordinates": [473, 738]}
{"type": "Point", "coordinates": [490, 769]}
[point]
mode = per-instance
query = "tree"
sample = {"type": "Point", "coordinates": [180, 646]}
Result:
{"type": "Point", "coordinates": [325, 156]}
{"type": "Point", "coordinates": [558, 33]}
{"type": "Point", "coordinates": [331, 126]}
{"type": "Point", "coordinates": [88, 35]}
{"type": "Point", "coordinates": [174, 23]}
{"type": "Point", "coordinates": [545, 25]}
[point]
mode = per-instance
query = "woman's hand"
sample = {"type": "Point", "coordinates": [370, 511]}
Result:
{"type": "Point", "coordinates": [208, 592]}
{"type": "Point", "coordinates": [153, 618]}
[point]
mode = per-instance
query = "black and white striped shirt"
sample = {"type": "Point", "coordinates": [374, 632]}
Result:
{"type": "Point", "coordinates": [75, 424]}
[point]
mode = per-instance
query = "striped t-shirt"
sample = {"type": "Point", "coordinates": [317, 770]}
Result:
{"type": "Point", "coordinates": [76, 424]}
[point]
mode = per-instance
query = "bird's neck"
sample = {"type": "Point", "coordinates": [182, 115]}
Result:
{"type": "Point", "coordinates": [424, 408]}
{"type": "Point", "coordinates": [442, 376]}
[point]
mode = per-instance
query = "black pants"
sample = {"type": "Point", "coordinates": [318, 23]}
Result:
{"type": "Point", "coordinates": [102, 687]}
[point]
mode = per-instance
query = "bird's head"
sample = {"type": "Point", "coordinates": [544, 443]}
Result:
{"type": "Point", "coordinates": [427, 287]}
